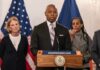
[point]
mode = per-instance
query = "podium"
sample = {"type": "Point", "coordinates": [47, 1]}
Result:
{"type": "Point", "coordinates": [70, 60]}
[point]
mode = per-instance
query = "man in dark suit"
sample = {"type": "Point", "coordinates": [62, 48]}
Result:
{"type": "Point", "coordinates": [43, 38]}
{"type": "Point", "coordinates": [96, 49]}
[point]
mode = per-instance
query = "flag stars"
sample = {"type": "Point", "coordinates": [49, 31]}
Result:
{"type": "Point", "coordinates": [12, 12]}
{"type": "Point", "coordinates": [21, 21]}
{"type": "Point", "coordinates": [14, 2]}
{"type": "Point", "coordinates": [13, 7]}
{"type": "Point", "coordinates": [26, 22]}
{"type": "Point", "coordinates": [25, 28]}
{"type": "Point", "coordinates": [17, 14]}
{"type": "Point", "coordinates": [30, 29]}
{"type": "Point", "coordinates": [19, 4]}
{"type": "Point", "coordinates": [22, 15]}
{"type": "Point", "coordinates": [18, 9]}
{"type": "Point", "coordinates": [24, 33]}
{"type": "Point", "coordinates": [7, 17]}
{"type": "Point", "coordinates": [23, 10]}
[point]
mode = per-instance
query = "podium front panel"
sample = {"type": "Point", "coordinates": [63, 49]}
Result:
{"type": "Point", "coordinates": [73, 61]}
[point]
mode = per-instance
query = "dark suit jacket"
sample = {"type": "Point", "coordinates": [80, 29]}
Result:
{"type": "Point", "coordinates": [96, 49]}
{"type": "Point", "coordinates": [13, 59]}
{"type": "Point", "coordinates": [41, 40]}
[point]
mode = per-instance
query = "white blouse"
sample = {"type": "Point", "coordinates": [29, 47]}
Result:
{"type": "Point", "coordinates": [15, 40]}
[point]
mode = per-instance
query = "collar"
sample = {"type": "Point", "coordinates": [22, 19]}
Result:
{"type": "Point", "coordinates": [49, 23]}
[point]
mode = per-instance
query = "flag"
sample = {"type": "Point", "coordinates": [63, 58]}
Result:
{"type": "Point", "coordinates": [69, 10]}
{"type": "Point", "coordinates": [18, 9]}
{"type": "Point", "coordinates": [0, 63]}
{"type": "Point", "coordinates": [29, 62]}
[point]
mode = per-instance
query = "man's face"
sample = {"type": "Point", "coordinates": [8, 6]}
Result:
{"type": "Point", "coordinates": [51, 14]}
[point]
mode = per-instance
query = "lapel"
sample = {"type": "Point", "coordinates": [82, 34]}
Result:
{"type": "Point", "coordinates": [59, 37]}
{"type": "Point", "coordinates": [58, 30]}
{"type": "Point", "coordinates": [55, 45]}
{"type": "Point", "coordinates": [20, 43]}
{"type": "Point", "coordinates": [47, 34]}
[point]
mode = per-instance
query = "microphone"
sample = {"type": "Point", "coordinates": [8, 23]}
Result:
{"type": "Point", "coordinates": [57, 39]}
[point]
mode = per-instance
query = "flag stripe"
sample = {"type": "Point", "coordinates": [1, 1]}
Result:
{"type": "Point", "coordinates": [30, 62]}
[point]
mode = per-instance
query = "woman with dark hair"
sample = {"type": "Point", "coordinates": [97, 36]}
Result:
{"type": "Point", "coordinates": [80, 40]}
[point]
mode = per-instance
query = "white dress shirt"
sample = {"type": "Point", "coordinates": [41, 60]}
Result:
{"type": "Point", "coordinates": [15, 40]}
{"type": "Point", "coordinates": [51, 27]}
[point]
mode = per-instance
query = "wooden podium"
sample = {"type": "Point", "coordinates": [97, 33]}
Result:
{"type": "Point", "coordinates": [48, 60]}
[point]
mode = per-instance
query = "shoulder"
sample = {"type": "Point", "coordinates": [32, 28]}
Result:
{"type": "Point", "coordinates": [5, 38]}
{"type": "Point", "coordinates": [23, 37]}
{"type": "Point", "coordinates": [97, 33]}
{"type": "Point", "coordinates": [41, 25]}
{"type": "Point", "coordinates": [61, 27]}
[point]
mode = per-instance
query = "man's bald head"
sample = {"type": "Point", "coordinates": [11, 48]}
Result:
{"type": "Point", "coordinates": [51, 13]}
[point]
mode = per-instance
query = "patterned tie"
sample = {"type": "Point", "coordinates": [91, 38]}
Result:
{"type": "Point", "coordinates": [52, 33]}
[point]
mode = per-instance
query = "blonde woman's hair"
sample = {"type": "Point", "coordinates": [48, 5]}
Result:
{"type": "Point", "coordinates": [9, 21]}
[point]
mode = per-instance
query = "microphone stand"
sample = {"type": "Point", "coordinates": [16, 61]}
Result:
{"type": "Point", "coordinates": [58, 43]}
{"type": "Point", "coordinates": [57, 39]}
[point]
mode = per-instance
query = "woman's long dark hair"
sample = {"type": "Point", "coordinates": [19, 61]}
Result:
{"type": "Point", "coordinates": [85, 35]}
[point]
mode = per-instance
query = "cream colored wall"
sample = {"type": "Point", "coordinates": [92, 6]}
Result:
{"type": "Point", "coordinates": [90, 13]}
{"type": "Point", "coordinates": [89, 10]}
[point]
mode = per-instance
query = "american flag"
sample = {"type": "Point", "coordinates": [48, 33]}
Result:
{"type": "Point", "coordinates": [17, 9]}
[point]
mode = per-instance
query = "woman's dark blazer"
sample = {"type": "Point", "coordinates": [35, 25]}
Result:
{"type": "Point", "coordinates": [13, 59]}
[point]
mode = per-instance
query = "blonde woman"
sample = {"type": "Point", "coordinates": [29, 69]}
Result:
{"type": "Point", "coordinates": [13, 47]}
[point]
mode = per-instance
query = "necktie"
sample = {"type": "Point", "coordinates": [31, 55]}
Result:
{"type": "Point", "coordinates": [52, 33]}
